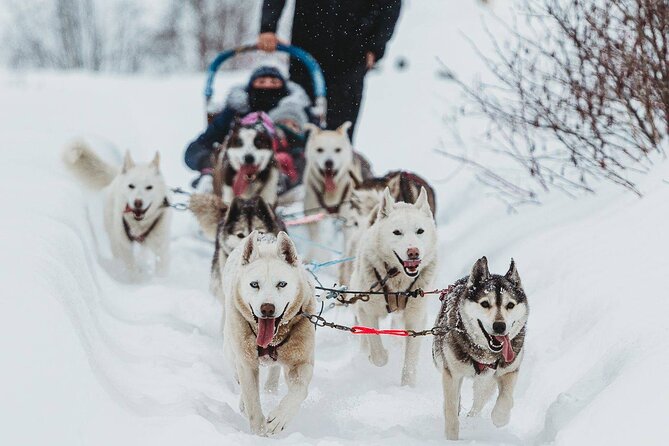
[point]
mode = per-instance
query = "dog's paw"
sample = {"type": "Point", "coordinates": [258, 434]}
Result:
{"type": "Point", "coordinates": [409, 377]}
{"type": "Point", "coordinates": [452, 432]}
{"type": "Point", "coordinates": [379, 357]}
{"type": "Point", "coordinates": [258, 426]}
{"type": "Point", "coordinates": [474, 412]}
{"type": "Point", "coordinates": [277, 420]}
{"type": "Point", "coordinates": [501, 413]}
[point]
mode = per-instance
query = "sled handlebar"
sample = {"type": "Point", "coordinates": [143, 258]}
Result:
{"type": "Point", "coordinates": [318, 81]}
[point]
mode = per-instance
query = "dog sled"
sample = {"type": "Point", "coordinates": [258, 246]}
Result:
{"type": "Point", "coordinates": [290, 140]}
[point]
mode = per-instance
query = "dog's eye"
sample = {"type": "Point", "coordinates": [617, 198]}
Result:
{"type": "Point", "coordinates": [240, 235]}
{"type": "Point", "coordinates": [320, 150]}
{"type": "Point", "coordinates": [255, 285]}
{"type": "Point", "coordinates": [420, 231]}
{"type": "Point", "coordinates": [281, 284]}
{"type": "Point", "coordinates": [485, 304]}
{"type": "Point", "coordinates": [149, 187]}
{"type": "Point", "coordinates": [338, 149]}
{"type": "Point", "coordinates": [510, 305]}
{"type": "Point", "coordinates": [131, 186]}
{"type": "Point", "coordinates": [397, 232]}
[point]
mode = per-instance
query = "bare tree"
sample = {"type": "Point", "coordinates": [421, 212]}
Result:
{"type": "Point", "coordinates": [581, 94]}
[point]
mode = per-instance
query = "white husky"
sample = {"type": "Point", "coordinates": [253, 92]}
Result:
{"type": "Point", "coordinates": [136, 209]}
{"type": "Point", "coordinates": [332, 171]}
{"type": "Point", "coordinates": [265, 289]}
{"type": "Point", "coordinates": [396, 253]}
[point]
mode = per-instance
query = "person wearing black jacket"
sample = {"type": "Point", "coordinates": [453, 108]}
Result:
{"type": "Point", "coordinates": [346, 37]}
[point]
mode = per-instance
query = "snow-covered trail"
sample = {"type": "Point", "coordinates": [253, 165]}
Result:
{"type": "Point", "coordinates": [90, 360]}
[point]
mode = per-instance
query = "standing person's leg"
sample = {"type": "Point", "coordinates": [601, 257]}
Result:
{"type": "Point", "coordinates": [345, 94]}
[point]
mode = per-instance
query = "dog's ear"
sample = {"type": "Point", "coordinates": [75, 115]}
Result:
{"type": "Point", "coordinates": [249, 248]}
{"type": "Point", "coordinates": [342, 129]}
{"type": "Point", "coordinates": [128, 163]}
{"type": "Point", "coordinates": [512, 275]}
{"type": "Point", "coordinates": [155, 162]}
{"type": "Point", "coordinates": [479, 273]}
{"type": "Point", "coordinates": [386, 205]}
{"type": "Point", "coordinates": [234, 210]}
{"type": "Point", "coordinates": [287, 249]}
{"type": "Point", "coordinates": [422, 203]}
{"type": "Point", "coordinates": [311, 128]}
{"type": "Point", "coordinates": [266, 214]}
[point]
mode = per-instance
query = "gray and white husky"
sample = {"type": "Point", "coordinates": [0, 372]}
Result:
{"type": "Point", "coordinates": [265, 288]}
{"type": "Point", "coordinates": [398, 252]}
{"type": "Point", "coordinates": [485, 316]}
{"type": "Point", "coordinates": [136, 211]}
{"type": "Point", "coordinates": [241, 219]}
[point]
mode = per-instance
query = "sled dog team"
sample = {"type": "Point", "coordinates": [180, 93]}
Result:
{"type": "Point", "coordinates": [259, 277]}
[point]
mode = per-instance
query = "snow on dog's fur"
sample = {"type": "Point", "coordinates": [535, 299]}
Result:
{"type": "Point", "coordinates": [485, 317]}
{"type": "Point", "coordinates": [399, 246]}
{"type": "Point", "coordinates": [265, 288]}
{"type": "Point", "coordinates": [242, 218]}
{"type": "Point", "coordinates": [247, 166]}
{"type": "Point", "coordinates": [332, 171]}
{"type": "Point", "coordinates": [135, 211]}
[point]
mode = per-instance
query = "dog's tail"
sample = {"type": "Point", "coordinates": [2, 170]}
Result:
{"type": "Point", "coordinates": [209, 210]}
{"type": "Point", "coordinates": [87, 166]}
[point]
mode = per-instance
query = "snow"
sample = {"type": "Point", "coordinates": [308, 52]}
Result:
{"type": "Point", "coordinates": [90, 360]}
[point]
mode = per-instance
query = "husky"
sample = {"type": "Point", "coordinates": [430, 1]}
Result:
{"type": "Point", "coordinates": [484, 317]}
{"type": "Point", "coordinates": [241, 218]}
{"type": "Point", "coordinates": [245, 167]}
{"type": "Point", "coordinates": [360, 210]}
{"type": "Point", "coordinates": [136, 210]}
{"type": "Point", "coordinates": [398, 252]}
{"type": "Point", "coordinates": [265, 289]}
{"type": "Point", "coordinates": [332, 171]}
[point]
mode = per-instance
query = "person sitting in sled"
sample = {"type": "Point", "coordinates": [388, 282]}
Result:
{"type": "Point", "coordinates": [267, 91]}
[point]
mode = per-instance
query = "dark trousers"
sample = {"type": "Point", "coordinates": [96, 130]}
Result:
{"type": "Point", "coordinates": [344, 92]}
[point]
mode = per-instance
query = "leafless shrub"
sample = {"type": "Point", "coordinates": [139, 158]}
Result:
{"type": "Point", "coordinates": [581, 94]}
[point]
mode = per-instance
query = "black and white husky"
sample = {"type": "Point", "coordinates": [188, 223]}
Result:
{"type": "Point", "coordinates": [485, 317]}
{"type": "Point", "coordinates": [246, 167]}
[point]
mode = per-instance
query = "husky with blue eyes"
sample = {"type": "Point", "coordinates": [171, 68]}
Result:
{"type": "Point", "coordinates": [397, 252]}
{"type": "Point", "coordinates": [265, 290]}
{"type": "Point", "coordinates": [484, 319]}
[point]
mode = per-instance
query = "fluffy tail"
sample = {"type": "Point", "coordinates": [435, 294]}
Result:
{"type": "Point", "coordinates": [87, 166]}
{"type": "Point", "coordinates": [209, 210]}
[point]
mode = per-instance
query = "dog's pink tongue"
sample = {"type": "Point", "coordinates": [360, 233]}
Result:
{"type": "Point", "coordinates": [329, 182]}
{"type": "Point", "coordinates": [265, 332]}
{"type": "Point", "coordinates": [241, 180]}
{"type": "Point", "coordinates": [507, 351]}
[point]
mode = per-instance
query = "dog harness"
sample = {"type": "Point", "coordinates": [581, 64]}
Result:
{"type": "Point", "coordinates": [480, 368]}
{"type": "Point", "coordinates": [270, 350]}
{"type": "Point", "coordinates": [320, 196]}
{"type": "Point", "coordinates": [400, 302]}
{"type": "Point", "coordinates": [142, 237]}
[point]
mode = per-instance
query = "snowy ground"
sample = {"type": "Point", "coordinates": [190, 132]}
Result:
{"type": "Point", "coordinates": [89, 360]}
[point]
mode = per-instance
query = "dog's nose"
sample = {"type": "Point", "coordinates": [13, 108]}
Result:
{"type": "Point", "coordinates": [138, 203]}
{"type": "Point", "coordinates": [267, 310]}
{"type": "Point", "coordinates": [413, 253]}
{"type": "Point", "coordinates": [249, 159]}
{"type": "Point", "coordinates": [329, 164]}
{"type": "Point", "coordinates": [499, 327]}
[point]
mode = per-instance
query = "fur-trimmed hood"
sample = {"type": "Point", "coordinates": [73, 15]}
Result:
{"type": "Point", "coordinates": [238, 99]}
